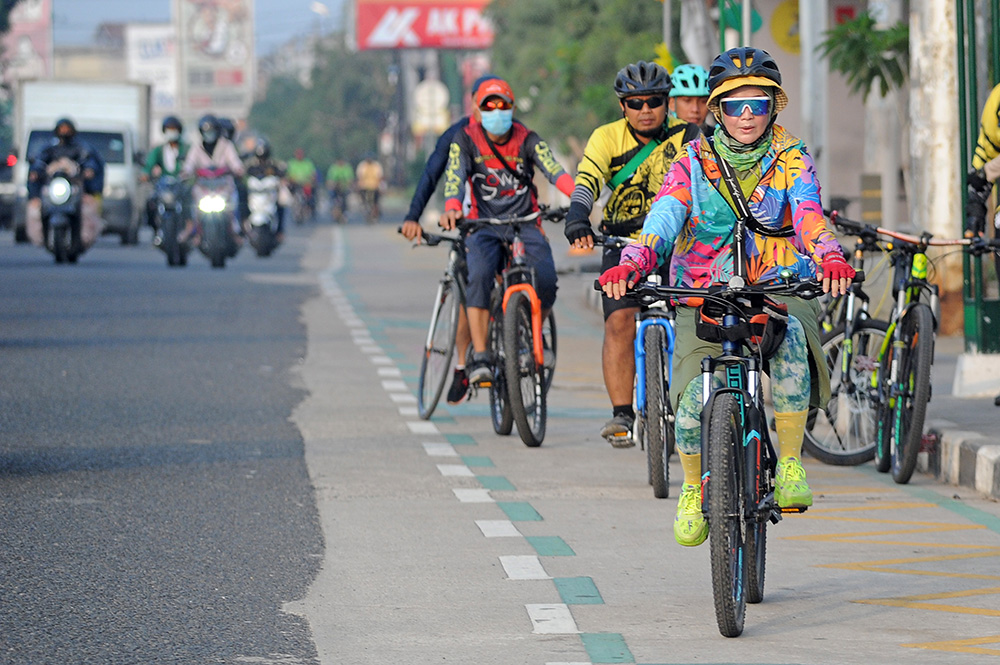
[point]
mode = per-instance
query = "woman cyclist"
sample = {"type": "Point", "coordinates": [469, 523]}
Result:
{"type": "Point", "coordinates": [693, 216]}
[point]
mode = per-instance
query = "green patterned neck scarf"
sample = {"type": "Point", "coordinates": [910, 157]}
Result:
{"type": "Point", "coordinates": [740, 155]}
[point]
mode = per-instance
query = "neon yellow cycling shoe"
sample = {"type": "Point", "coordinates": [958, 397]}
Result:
{"type": "Point", "coordinates": [790, 486]}
{"type": "Point", "coordinates": [690, 527]}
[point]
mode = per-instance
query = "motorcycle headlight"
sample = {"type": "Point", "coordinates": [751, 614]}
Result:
{"type": "Point", "coordinates": [167, 197]}
{"type": "Point", "coordinates": [59, 190]}
{"type": "Point", "coordinates": [212, 203]}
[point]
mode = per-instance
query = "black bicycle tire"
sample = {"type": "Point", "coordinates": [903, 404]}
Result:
{"type": "Point", "coordinates": [553, 343]}
{"type": "Point", "coordinates": [448, 303]}
{"type": "Point", "coordinates": [500, 414]}
{"type": "Point", "coordinates": [656, 424]}
{"type": "Point", "coordinates": [910, 413]}
{"type": "Point", "coordinates": [518, 345]}
{"type": "Point", "coordinates": [728, 548]}
{"type": "Point", "coordinates": [871, 329]}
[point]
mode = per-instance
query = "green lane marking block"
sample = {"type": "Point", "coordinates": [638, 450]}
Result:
{"type": "Point", "coordinates": [606, 648]}
{"type": "Point", "coordinates": [394, 354]}
{"type": "Point", "coordinates": [550, 546]}
{"type": "Point", "coordinates": [460, 439]}
{"type": "Point", "coordinates": [578, 591]}
{"type": "Point", "coordinates": [407, 367]}
{"type": "Point", "coordinates": [442, 419]}
{"type": "Point", "coordinates": [471, 460]}
{"type": "Point", "coordinates": [497, 483]}
{"type": "Point", "coordinates": [519, 511]}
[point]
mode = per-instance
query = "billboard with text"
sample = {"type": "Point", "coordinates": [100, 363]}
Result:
{"type": "Point", "coordinates": [440, 24]}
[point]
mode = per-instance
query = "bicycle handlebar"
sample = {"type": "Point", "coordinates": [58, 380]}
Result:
{"type": "Point", "coordinates": [611, 241]}
{"type": "Point", "coordinates": [863, 230]}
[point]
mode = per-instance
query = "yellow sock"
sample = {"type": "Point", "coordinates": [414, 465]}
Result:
{"type": "Point", "coordinates": [791, 427]}
{"type": "Point", "coordinates": [692, 468]}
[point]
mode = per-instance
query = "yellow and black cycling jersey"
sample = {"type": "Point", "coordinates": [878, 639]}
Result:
{"type": "Point", "coordinates": [988, 147]}
{"type": "Point", "coordinates": [609, 150]}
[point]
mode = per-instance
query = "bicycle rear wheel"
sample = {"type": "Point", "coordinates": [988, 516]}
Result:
{"type": "Point", "coordinates": [844, 434]}
{"type": "Point", "coordinates": [500, 412]}
{"type": "Point", "coordinates": [726, 511]}
{"type": "Point", "coordinates": [439, 347]}
{"type": "Point", "coordinates": [913, 389]}
{"type": "Point", "coordinates": [658, 429]}
{"type": "Point", "coordinates": [525, 382]}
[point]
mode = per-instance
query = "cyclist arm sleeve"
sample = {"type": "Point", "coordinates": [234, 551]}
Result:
{"type": "Point", "coordinates": [433, 171]}
{"type": "Point", "coordinates": [988, 146]}
{"type": "Point", "coordinates": [455, 174]}
{"type": "Point", "coordinates": [553, 170]}
{"type": "Point", "coordinates": [670, 209]}
{"type": "Point", "coordinates": [807, 210]}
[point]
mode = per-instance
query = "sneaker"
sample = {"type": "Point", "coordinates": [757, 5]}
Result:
{"type": "Point", "coordinates": [690, 527]}
{"type": "Point", "coordinates": [790, 486]}
{"type": "Point", "coordinates": [480, 372]}
{"type": "Point", "coordinates": [618, 431]}
{"type": "Point", "coordinates": [459, 387]}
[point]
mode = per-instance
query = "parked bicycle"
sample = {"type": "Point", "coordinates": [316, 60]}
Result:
{"type": "Point", "coordinates": [739, 461]}
{"type": "Point", "coordinates": [899, 374]}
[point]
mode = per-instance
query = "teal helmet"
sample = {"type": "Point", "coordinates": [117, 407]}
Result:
{"type": "Point", "coordinates": [689, 81]}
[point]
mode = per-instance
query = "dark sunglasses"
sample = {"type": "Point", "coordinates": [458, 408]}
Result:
{"type": "Point", "coordinates": [496, 104]}
{"type": "Point", "coordinates": [636, 104]}
{"type": "Point", "coordinates": [733, 106]}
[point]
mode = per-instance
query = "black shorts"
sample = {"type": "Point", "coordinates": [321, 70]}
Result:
{"type": "Point", "coordinates": [611, 257]}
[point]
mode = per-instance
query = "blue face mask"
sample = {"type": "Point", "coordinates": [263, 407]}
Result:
{"type": "Point", "coordinates": [498, 122]}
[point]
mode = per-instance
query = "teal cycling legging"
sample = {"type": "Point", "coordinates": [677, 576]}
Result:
{"type": "Point", "coordinates": [789, 372]}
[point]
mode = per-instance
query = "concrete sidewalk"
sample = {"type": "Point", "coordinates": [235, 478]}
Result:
{"type": "Point", "coordinates": [966, 450]}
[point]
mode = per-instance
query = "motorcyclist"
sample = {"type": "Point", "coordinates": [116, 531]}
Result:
{"type": "Point", "coordinates": [165, 159]}
{"type": "Point", "coordinates": [261, 165]}
{"type": "Point", "coordinates": [214, 151]}
{"type": "Point", "coordinates": [66, 145]}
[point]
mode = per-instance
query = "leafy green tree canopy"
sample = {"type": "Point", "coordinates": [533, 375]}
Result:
{"type": "Point", "coordinates": [340, 116]}
{"type": "Point", "coordinates": [869, 56]}
{"type": "Point", "coordinates": [561, 57]}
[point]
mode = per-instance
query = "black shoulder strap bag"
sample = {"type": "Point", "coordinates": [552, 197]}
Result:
{"type": "Point", "coordinates": [521, 177]}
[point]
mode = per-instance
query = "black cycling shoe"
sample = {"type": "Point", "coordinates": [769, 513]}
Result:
{"type": "Point", "coordinates": [459, 389]}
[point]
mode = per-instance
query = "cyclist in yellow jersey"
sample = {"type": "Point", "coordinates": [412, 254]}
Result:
{"type": "Point", "coordinates": [985, 172]}
{"type": "Point", "coordinates": [631, 157]}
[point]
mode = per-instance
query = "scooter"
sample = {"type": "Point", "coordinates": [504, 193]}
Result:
{"type": "Point", "coordinates": [214, 197]}
{"type": "Point", "coordinates": [262, 226]}
{"type": "Point", "coordinates": [169, 198]}
{"type": "Point", "coordinates": [62, 210]}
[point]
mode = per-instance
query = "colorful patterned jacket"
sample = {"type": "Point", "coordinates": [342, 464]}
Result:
{"type": "Point", "coordinates": [693, 222]}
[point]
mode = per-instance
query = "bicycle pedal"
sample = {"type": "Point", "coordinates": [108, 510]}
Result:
{"type": "Point", "coordinates": [794, 509]}
{"type": "Point", "coordinates": [621, 441]}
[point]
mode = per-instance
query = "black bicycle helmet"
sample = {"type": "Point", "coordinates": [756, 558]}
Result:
{"type": "Point", "coordinates": [172, 121]}
{"type": "Point", "coordinates": [744, 65]}
{"type": "Point", "coordinates": [642, 78]}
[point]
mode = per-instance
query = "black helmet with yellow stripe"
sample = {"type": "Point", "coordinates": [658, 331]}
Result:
{"type": "Point", "coordinates": [740, 66]}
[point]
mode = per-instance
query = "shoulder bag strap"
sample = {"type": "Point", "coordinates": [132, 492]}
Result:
{"type": "Point", "coordinates": [522, 178]}
{"type": "Point", "coordinates": [632, 165]}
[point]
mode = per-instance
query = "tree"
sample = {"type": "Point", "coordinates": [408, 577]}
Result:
{"type": "Point", "coordinates": [339, 116]}
{"type": "Point", "coordinates": [868, 56]}
{"type": "Point", "coordinates": [561, 57]}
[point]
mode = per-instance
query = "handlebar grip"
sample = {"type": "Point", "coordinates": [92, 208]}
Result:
{"type": "Point", "coordinates": [859, 277]}
{"type": "Point", "coordinates": [597, 285]}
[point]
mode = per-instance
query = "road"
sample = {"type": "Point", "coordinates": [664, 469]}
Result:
{"type": "Point", "coordinates": [203, 466]}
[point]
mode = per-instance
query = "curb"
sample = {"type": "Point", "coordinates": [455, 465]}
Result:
{"type": "Point", "coordinates": [968, 459]}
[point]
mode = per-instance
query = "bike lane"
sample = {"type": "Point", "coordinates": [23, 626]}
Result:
{"type": "Point", "coordinates": [561, 555]}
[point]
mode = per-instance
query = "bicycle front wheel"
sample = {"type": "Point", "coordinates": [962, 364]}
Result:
{"type": "Point", "coordinates": [913, 389]}
{"type": "Point", "coordinates": [500, 413]}
{"type": "Point", "coordinates": [844, 434]}
{"type": "Point", "coordinates": [439, 348]}
{"type": "Point", "coordinates": [726, 514]}
{"type": "Point", "coordinates": [525, 381]}
{"type": "Point", "coordinates": [659, 431]}
{"type": "Point", "coordinates": [549, 345]}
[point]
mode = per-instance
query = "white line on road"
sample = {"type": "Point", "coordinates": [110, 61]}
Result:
{"type": "Point", "coordinates": [409, 411]}
{"type": "Point", "coordinates": [551, 619]}
{"type": "Point", "coordinates": [390, 385]}
{"type": "Point", "coordinates": [524, 568]}
{"type": "Point", "coordinates": [389, 371]}
{"type": "Point", "coordinates": [455, 470]}
{"type": "Point", "coordinates": [473, 496]}
{"type": "Point", "coordinates": [381, 360]}
{"type": "Point", "coordinates": [403, 398]}
{"type": "Point", "coordinates": [440, 449]}
{"type": "Point", "coordinates": [498, 529]}
{"type": "Point", "coordinates": [422, 427]}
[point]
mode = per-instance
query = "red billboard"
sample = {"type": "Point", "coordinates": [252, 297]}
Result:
{"type": "Point", "coordinates": [458, 24]}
